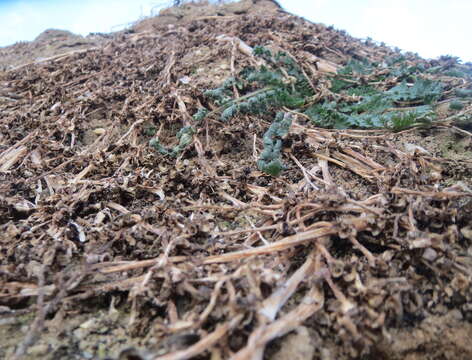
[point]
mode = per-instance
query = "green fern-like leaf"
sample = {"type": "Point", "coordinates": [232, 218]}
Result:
{"type": "Point", "coordinates": [200, 114]}
{"type": "Point", "coordinates": [185, 137]}
{"type": "Point", "coordinates": [269, 159]}
{"type": "Point", "coordinates": [424, 90]}
{"type": "Point", "coordinates": [464, 93]}
{"type": "Point", "coordinates": [230, 112]}
{"type": "Point", "coordinates": [456, 105]}
{"type": "Point", "coordinates": [401, 122]}
{"type": "Point", "coordinates": [273, 167]}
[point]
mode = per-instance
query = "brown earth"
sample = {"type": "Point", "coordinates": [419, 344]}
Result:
{"type": "Point", "coordinates": [50, 44]}
{"type": "Point", "coordinates": [362, 248]}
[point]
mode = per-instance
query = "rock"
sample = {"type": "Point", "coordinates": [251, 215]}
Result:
{"type": "Point", "coordinates": [296, 346]}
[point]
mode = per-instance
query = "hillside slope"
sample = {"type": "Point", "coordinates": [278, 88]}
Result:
{"type": "Point", "coordinates": [361, 246]}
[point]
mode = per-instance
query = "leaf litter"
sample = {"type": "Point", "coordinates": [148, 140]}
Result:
{"type": "Point", "coordinates": [109, 248]}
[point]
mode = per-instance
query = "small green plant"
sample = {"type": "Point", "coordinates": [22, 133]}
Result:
{"type": "Point", "coordinates": [358, 99]}
{"type": "Point", "coordinates": [345, 75]}
{"type": "Point", "coordinates": [269, 159]}
{"type": "Point", "coordinates": [185, 137]}
{"type": "Point", "coordinates": [279, 82]}
{"type": "Point", "coordinates": [402, 121]}
{"type": "Point", "coordinates": [452, 67]}
{"type": "Point", "coordinates": [200, 114]}
{"type": "Point", "coordinates": [455, 73]}
{"type": "Point", "coordinates": [223, 94]}
{"type": "Point", "coordinates": [374, 111]}
{"type": "Point", "coordinates": [377, 108]}
{"type": "Point", "coordinates": [456, 105]}
{"type": "Point", "coordinates": [464, 93]}
{"type": "Point", "coordinates": [326, 114]}
{"type": "Point", "coordinates": [150, 131]}
{"type": "Point", "coordinates": [422, 90]}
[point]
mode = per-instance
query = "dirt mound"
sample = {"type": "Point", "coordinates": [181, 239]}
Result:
{"type": "Point", "coordinates": [49, 44]}
{"type": "Point", "coordinates": [54, 43]}
{"type": "Point", "coordinates": [361, 246]}
{"type": "Point", "coordinates": [189, 12]}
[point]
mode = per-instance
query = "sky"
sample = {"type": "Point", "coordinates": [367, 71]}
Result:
{"type": "Point", "coordinates": [430, 28]}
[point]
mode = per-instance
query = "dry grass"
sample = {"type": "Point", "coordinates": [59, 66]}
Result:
{"type": "Point", "coordinates": [358, 238]}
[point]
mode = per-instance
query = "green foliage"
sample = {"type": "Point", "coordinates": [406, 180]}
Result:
{"type": "Point", "coordinates": [279, 83]}
{"type": "Point", "coordinates": [403, 120]}
{"type": "Point", "coordinates": [185, 137]}
{"type": "Point", "coordinates": [269, 160]}
{"type": "Point", "coordinates": [200, 114]}
{"type": "Point", "coordinates": [265, 77]}
{"type": "Point", "coordinates": [150, 131]}
{"type": "Point", "coordinates": [455, 70]}
{"type": "Point", "coordinates": [262, 52]}
{"type": "Point", "coordinates": [361, 90]}
{"type": "Point", "coordinates": [464, 93]}
{"type": "Point", "coordinates": [455, 73]}
{"type": "Point", "coordinates": [338, 84]}
{"type": "Point", "coordinates": [374, 111]}
{"type": "Point", "coordinates": [456, 105]}
{"type": "Point", "coordinates": [222, 94]}
{"type": "Point", "coordinates": [358, 99]}
{"type": "Point", "coordinates": [376, 108]}
{"type": "Point", "coordinates": [353, 69]}
{"type": "Point", "coordinates": [357, 67]}
{"type": "Point", "coordinates": [372, 103]}
{"type": "Point", "coordinates": [349, 78]}
{"type": "Point", "coordinates": [401, 70]}
{"type": "Point", "coordinates": [423, 90]}
{"type": "Point", "coordinates": [327, 115]}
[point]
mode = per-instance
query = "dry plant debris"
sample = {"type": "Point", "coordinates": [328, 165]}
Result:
{"type": "Point", "coordinates": [110, 249]}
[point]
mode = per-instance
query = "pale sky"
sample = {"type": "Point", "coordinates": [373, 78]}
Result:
{"type": "Point", "coordinates": [428, 27]}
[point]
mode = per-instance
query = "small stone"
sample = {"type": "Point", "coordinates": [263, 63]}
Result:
{"type": "Point", "coordinates": [90, 323]}
{"type": "Point", "coordinates": [456, 314]}
{"type": "Point", "coordinates": [87, 355]}
{"type": "Point", "coordinates": [38, 350]}
{"type": "Point", "coordinates": [80, 333]}
{"type": "Point", "coordinates": [296, 346]}
{"type": "Point", "coordinates": [185, 80]}
{"type": "Point", "coordinates": [99, 131]}
{"type": "Point", "coordinates": [467, 232]}
{"type": "Point", "coordinates": [24, 206]}
{"type": "Point", "coordinates": [413, 148]}
{"type": "Point", "coordinates": [430, 254]}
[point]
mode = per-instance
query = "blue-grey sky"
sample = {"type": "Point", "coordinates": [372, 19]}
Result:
{"type": "Point", "coordinates": [429, 27]}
